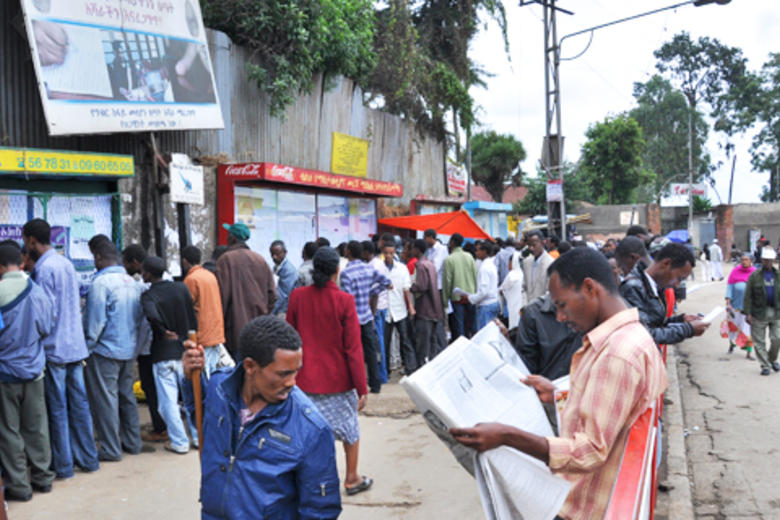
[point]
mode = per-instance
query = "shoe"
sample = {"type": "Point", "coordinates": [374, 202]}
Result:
{"type": "Point", "coordinates": [38, 488]}
{"type": "Point", "coordinates": [731, 348]}
{"type": "Point", "coordinates": [179, 451]}
{"type": "Point", "coordinates": [776, 366]}
{"type": "Point", "coordinates": [10, 496]}
{"type": "Point", "coordinates": [765, 371]}
{"type": "Point", "coordinates": [364, 485]}
{"type": "Point", "coordinates": [154, 436]}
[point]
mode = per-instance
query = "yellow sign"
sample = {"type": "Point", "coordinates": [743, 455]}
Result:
{"type": "Point", "coordinates": [50, 162]}
{"type": "Point", "coordinates": [349, 155]}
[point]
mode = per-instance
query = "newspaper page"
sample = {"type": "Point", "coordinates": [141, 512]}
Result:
{"type": "Point", "coordinates": [479, 380]}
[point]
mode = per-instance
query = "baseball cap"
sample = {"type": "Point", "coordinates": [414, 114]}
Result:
{"type": "Point", "coordinates": [767, 253]}
{"type": "Point", "coordinates": [238, 230]}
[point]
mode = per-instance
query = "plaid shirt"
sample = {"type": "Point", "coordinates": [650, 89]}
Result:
{"type": "Point", "coordinates": [616, 375]}
{"type": "Point", "coordinates": [363, 281]}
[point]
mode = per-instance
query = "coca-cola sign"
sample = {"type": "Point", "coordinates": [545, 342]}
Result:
{"type": "Point", "coordinates": [244, 170]}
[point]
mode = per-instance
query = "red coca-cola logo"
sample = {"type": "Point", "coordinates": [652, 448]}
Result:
{"type": "Point", "coordinates": [243, 170]}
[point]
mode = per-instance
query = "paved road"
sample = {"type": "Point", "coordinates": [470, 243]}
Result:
{"type": "Point", "coordinates": [415, 478]}
{"type": "Point", "coordinates": [732, 416]}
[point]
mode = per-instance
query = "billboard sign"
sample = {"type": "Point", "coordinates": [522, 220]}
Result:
{"type": "Point", "coordinates": [456, 179]}
{"type": "Point", "coordinates": [681, 189]}
{"type": "Point", "coordinates": [122, 65]}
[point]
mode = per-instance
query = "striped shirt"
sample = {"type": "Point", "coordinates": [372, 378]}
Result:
{"type": "Point", "coordinates": [616, 375]}
{"type": "Point", "coordinates": [362, 281]}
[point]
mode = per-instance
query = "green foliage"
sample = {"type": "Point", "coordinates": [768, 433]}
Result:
{"type": "Point", "coordinates": [612, 160]}
{"type": "Point", "coordinates": [701, 204]}
{"type": "Point", "coordinates": [495, 161]}
{"type": "Point", "coordinates": [575, 189]}
{"type": "Point", "coordinates": [662, 113]}
{"type": "Point", "coordinates": [762, 107]}
{"type": "Point", "coordinates": [292, 40]}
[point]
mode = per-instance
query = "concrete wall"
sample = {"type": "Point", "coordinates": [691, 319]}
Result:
{"type": "Point", "coordinates": [761, 216]}
{"type": "Point", "coordinates": [606, 220]}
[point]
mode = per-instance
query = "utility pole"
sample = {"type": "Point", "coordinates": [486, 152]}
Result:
{"type": "Point", "coordinates": [691, 107]}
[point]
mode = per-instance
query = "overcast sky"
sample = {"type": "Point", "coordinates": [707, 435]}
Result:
{"type": "Point", "coordinates": [601, 81]}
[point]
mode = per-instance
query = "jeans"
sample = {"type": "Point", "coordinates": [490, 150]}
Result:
{"type": "Point", "coordinates": [70, 422]}
{"type": "Point", "coordinates": [379, 324]}
{"type": "Point", "coordinates": [465, 319]}
{"type": "Point", "coordinates": [168, 379]}
{"type": "Point", "coordinates": [486, 314]}
{"type": "Point", "coordinates": [146, 375]}
{"type": "Point", "coordinates": [429, 339]}
{"type": "Point", "coordinates": [408, 355]}
{"type": "Point", "coordinates": [370, 341]}
{"type": "Point", "coordinates": [114, 408]}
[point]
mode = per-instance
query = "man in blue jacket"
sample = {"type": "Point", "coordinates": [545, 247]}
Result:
{"type": "Point", "coordinates": [112, 317]}
{"type": "Point", "coordinates": [24, 431]}
{"type": "Point", "coordinates": [267, 452]}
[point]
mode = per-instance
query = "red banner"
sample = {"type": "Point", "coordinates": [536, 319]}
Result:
{"type": "Point", "coordinates": [300, 176]}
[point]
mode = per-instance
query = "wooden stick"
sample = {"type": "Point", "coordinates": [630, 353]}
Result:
{"type": "Point", "coordinates": [198, 394]}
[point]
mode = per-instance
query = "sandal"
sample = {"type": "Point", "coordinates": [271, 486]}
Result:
{"type": "Point", "coordinates": [364, 485]}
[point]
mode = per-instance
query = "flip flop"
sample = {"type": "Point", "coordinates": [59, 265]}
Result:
{"type": "Point", "coordinates": [364, 485]}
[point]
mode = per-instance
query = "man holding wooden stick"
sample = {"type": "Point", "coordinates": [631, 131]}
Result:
{"type": "Point", "coordinates": [266, 450]}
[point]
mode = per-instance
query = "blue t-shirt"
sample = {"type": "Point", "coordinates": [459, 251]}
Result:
{"type": "Point", "coordinates": [769, 285]}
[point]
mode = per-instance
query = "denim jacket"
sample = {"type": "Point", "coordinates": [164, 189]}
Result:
{"type": "Point", "coordinates": [113, 314]}
{"type": "Point", "coordinates": [281, 465]}
{"type": "Point", "coordinates": [28, 319]}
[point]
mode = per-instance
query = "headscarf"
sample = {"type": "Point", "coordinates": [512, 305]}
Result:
{"type": "Point", "coordinates": [326, 264]}
{"type": "Point", "coordinates": [740, 273]}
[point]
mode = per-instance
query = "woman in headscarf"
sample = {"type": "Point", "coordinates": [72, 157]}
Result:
{"type": "Point", "coordinates": [736, 328]}
{"type": "Point", "coordinates": [512, 289]}
{"type": "Point", "coordinates": [333, 373]}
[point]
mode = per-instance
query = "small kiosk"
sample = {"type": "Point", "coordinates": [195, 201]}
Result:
{"type": "Point", "coordinates": [491, 216]}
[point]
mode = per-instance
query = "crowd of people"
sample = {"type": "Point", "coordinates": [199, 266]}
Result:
{"type": "Point", "coordinates": [288, 355]}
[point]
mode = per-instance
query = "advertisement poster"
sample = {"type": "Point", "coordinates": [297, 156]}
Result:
{"type": "Point", "coordinates": [456, 179]}
{"type": "Point", "coordinates": [349, 155]}
{"type": "Point", "coordinates": [122, 65]}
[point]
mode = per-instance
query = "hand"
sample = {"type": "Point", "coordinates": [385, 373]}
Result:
{"type": "Point", "coordinates": [501, 327]}
{"type": "Point", "coordinates": [52, 42]}
{"type": "Point", "coordinates": [699, 327]}
{"type": "Point", "coordinates": [481, 437]}
{"type": "Point", "coordinates": [749, 319]}
{"type": "Point", "coordinates": [193, 358]}
{"type": "Point", "coordinates": [690, 318]}
{"type": "Point", "coordinates": [412, 312]}
{"type": "Point", "coordinates": [362, 400]}
{"type": "Point", "coordinates": [543, 386]}
{"type": "Point", "coordinates": [169, 334]}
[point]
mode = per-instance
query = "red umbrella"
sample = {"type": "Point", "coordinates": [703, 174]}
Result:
{"type": "Point", "coordinates": [444, 224]}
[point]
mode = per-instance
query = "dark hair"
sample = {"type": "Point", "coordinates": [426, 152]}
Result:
{"type": "Point", "coordinates": [430, 232]}
{"type": "Point", "coordinates": [309, 248]}
{"type": "Point", "coordinates": [536, 233]}
{"type": "Point", "coordinates": [342, 249]}
{"type": "Point", "coordinates": [368, 246]}
{"type": "Point", "coordinates": [97, 239]}
{"type": "Point", "coordinates": [154, 265]}
{"type": "Point", "coordinates": [581, 263]}
{"type": "Point", "coordinates": [636, 230]}
{"type": "Point", "coordinates": [322, 242]}
{"type": "Point", "coordinates": [510, 241]}
{"type": "Point", "coordinates": [420, 244]}
{"type": "Point", "coordinates": [387, 240]}
{"type": "Point", "coordinates": [355, 249]}
{"type": "Point", "coordinates": [106, 249]}
{"type": "Point", "coordinates": [191, 254]}
{"type": "Point", "coordinates": [456, 239]}
{"type": "Point", "coordinates": [218, 251]}
{"type": "Point", "coordinates": [677, 253]}
{"type": "Point", "coordinates": [134, 252]}
{"type": "Point", "coordinates": [10, 242]}
{"type": "Point", "coordinates": [38, 229]}
{"type": "Point", "coordinates": [278, 243]}
{"type": "Point", "coordinates": [326, 264]}
{"type": "Point", "coordinates": [564, 247]}
{"type": "Point", "coordinates": [470, 248]}
{"type": "Point", "coordinates": [555, 240]}
{"type": "Point", "coordinates": [10, 255]}
{"type": "Point", "coordinates": [631, 245]}
{"type": "Point", "coordinates": [263, 336]}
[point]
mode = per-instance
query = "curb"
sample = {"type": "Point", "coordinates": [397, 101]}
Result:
{"type": "Point", "coordinates": [680, 498]}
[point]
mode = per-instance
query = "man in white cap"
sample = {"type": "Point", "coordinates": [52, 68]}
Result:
{"type": "Point", "coordinates": [762, 298]}
{"type": "Point", "coordinates": [716, 260]}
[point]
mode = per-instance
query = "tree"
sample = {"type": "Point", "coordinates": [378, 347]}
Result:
{"type": "Point", "coordinates": [612, 160]}
{"type": "Point", "coordinates": [535, 200]}
{"type": "Point", "coordinates": [496, 161]}
{"type": "Point", "coordinates": [765, 149]}
{"type": "Point", "coordinates": [292, 40]}
{"type": "Point", "coordinates": [662, 113]}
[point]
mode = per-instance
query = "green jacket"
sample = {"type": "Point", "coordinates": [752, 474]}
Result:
{"type": "Point", "coordinates": [755, 294]}
{"type": "Point", "coordinates": [459, 271]}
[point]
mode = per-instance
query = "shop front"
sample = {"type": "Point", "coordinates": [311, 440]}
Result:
{"type": "Point", "coordinates": [75, 192]}
{"type": "Point", "coordinates": [297, 205]}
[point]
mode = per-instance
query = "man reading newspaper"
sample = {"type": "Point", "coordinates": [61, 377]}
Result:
{"type": "Point", "coordinates": [616, 375]}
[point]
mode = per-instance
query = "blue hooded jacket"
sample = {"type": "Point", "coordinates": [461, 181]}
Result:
{"type": "Point", "coordinates": [281, 465]}
{"type": "Point", "coordinates": [28, 319]}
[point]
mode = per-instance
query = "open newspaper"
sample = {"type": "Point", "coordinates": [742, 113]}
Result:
{"type": "Point", "coordinates": [475, 381]}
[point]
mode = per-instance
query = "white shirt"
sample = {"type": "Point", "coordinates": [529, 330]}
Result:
{"type": "Point", "coordinates": [437, 254]}
{"type": "Point", "coordinates": [399, 276]}
{"type": "Point", "coordinates": [378, 263]}
{"type": "Point", "coordinates": [653, 285]}
{"type": "Point", "coordinates": [487, 284]}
